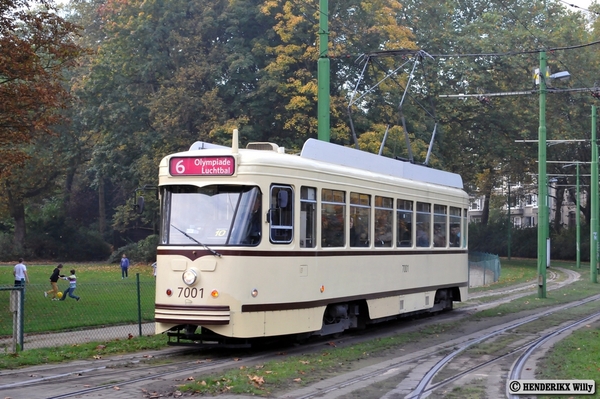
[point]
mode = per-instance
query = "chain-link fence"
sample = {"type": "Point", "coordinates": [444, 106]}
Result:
{"type": "Point", "coordinates": [103, 312]}
{"type": "Point", "coordinates": [484, 269]}
{"type": "Point", "coordinates": [118, 310]}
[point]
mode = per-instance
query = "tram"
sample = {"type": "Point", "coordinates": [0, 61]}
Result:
{"type": "Point", "coordinates": [255, 242]}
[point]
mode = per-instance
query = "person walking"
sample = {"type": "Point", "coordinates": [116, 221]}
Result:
{"type": "Point", "coordinates": [72, 279]}
{"type": "Point", "coordinates": [20, 273]}
{"type": "Point", "coordinates": [54, 282]}
{"type": "Point", "coordinates": [124, 267]}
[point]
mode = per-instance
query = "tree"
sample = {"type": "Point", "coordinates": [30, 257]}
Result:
{"type": "Point", "coordinates": [167, 74]}
{"type": "Point", "coordinates": [36, 46]}
{"type": "Point", "coordinates": [33, 178]}
{"type": "Point", "coordinates": [354, 28]}
{"type": "Point", "coordinates": [492, 47]}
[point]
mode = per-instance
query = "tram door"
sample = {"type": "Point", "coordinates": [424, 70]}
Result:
{"type": "Point", "coordinates": [308, 217]}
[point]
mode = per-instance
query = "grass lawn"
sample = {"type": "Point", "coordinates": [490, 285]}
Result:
{"type": "Point", "coordinates": [106, 299]}
{"type": "Point", "coordinates": [574, 358]}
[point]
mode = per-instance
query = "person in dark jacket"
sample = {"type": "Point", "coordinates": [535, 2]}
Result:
{"type": "Point", "coordinates": [54, 282]}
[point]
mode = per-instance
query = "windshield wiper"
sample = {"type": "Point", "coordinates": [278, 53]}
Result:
{"type": "Point", "coordinates": [215, 253]}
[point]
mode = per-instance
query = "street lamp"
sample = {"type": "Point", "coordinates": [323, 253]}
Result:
{"type": "Point", "coordinates": [542, 187]}
{"type": "Point", "coordinates": [564, 75]}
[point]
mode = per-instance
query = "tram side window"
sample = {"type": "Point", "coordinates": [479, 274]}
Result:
{"type": "Point", "coordinates": [333, 217]}
{"type": "Point", "coordinates": [440, 225]}
{"type": "Point", "coordinates": [281, 215]}
{"type": "Point", "coordinates": [308, 217]}
{"type": "Point", "coordinates": [423, 224]}
{"type": "Point", "coordinates": [404, 222]}
{"type": "Point", "coordinates": [455, 227]}
{"type": "Point", "coordinates": [360, 219]}
{"type": "Point", "coordinates": [384, 214]}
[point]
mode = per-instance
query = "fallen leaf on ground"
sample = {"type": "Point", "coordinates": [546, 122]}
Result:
{"type": "Point", "coordinates": [258, 381]}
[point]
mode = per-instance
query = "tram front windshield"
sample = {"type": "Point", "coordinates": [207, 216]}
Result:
{"type": "Point", "coordinates": [211, 215]}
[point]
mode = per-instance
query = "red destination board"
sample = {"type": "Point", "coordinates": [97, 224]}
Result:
{"type": "Point", "coordinates": [202, 166]}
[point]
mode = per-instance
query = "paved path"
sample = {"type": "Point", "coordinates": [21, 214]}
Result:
{"type": "Point", "coordinates": [32, 382]}
{"type": "Point", "coordinates": [32, 341]}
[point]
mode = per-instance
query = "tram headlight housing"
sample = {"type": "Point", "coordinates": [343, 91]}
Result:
{"type": "Point", "coordinates": [189, 277]}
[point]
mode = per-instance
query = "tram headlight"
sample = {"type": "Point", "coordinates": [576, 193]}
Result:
{"type": "Point", "coordinates": [189, 277]}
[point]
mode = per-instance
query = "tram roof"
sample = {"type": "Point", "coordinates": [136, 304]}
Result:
{"type": "Point", "coordinates": [322, 151]}
{"type": "Point", "coordinates": [332, 153]}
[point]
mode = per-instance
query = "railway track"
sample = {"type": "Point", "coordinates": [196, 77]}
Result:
{"type": "Point", "coordinates": [432, 371]}
{"type": "Point", "coordinates": [128, 376]}
{"type": "Point", "coordinates": [435, 371]}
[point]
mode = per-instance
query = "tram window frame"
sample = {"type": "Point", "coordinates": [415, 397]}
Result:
{"type": "Point", "coordinates": [440, 225]}
{"type": "Point", "coordinates": [423, 215]}
{"type": "Point", "coordinates": [360, 220]}
{"type": "Point", "coordinates": [465, 225]}
{"type": "Point", "coordinates": [333, 218]}
{"type": "Point", "coordinates": [308, 217]}
{"type": "Point", "coordinates": [214, 215]}
{"type": "Point", "coordinates": [455, 226]}
{"type": "Point", "coordinates": [165, 209]}
{"type": "Point", "coordinates": [281, 214]}
{"type": "Point", "coordinates": [384, 221]}
{"type": "Point", "coordinates": [404, 222]}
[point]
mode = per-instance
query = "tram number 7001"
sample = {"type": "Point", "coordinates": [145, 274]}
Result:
{"type": "Point", "coordinates": [187, 292]}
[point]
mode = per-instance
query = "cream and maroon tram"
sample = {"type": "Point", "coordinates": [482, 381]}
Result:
{"type": "Point", "coordinates": [255, 242]}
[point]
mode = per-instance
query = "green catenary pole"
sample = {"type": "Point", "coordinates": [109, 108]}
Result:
{"type": "Point", "coordinates": [509, 223]}
{"type": "Point", "coordinates": [578, 220]}
{"type": "Point", "coordinates": [323, 99]}
{"type": "Point", "coordinates": [542, 184]}
{"type": "Point", "coordinates": [139, 300]}
{"type": "Point", "coordinates": [594, 204]}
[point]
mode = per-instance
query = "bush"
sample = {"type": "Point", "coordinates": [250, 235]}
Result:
{"type": "Point", "coordinates": [141, 251]}
{"type": "Point", "coordinates": [493, 238]}
{"type": "Point", "coordinates": [88, 246]}
{"type": "Point", "coordinates": [523, 243]}
{"type": "Point", "coordinates": [8, 252]}
{"type": "Point", "coordinates": [59, 239]}
{"type": "Point", "coordinates": [490, 238]}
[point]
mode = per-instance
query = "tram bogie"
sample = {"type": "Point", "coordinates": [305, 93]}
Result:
{"type": "Point", "coordinates": [338, 318]}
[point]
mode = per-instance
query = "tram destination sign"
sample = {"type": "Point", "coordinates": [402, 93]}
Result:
{"type": "Point", "coordinates": [202, 166]}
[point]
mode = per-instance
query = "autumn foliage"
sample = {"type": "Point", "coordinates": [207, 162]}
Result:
{"type": "Point", "coordinates": [36, 45]}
